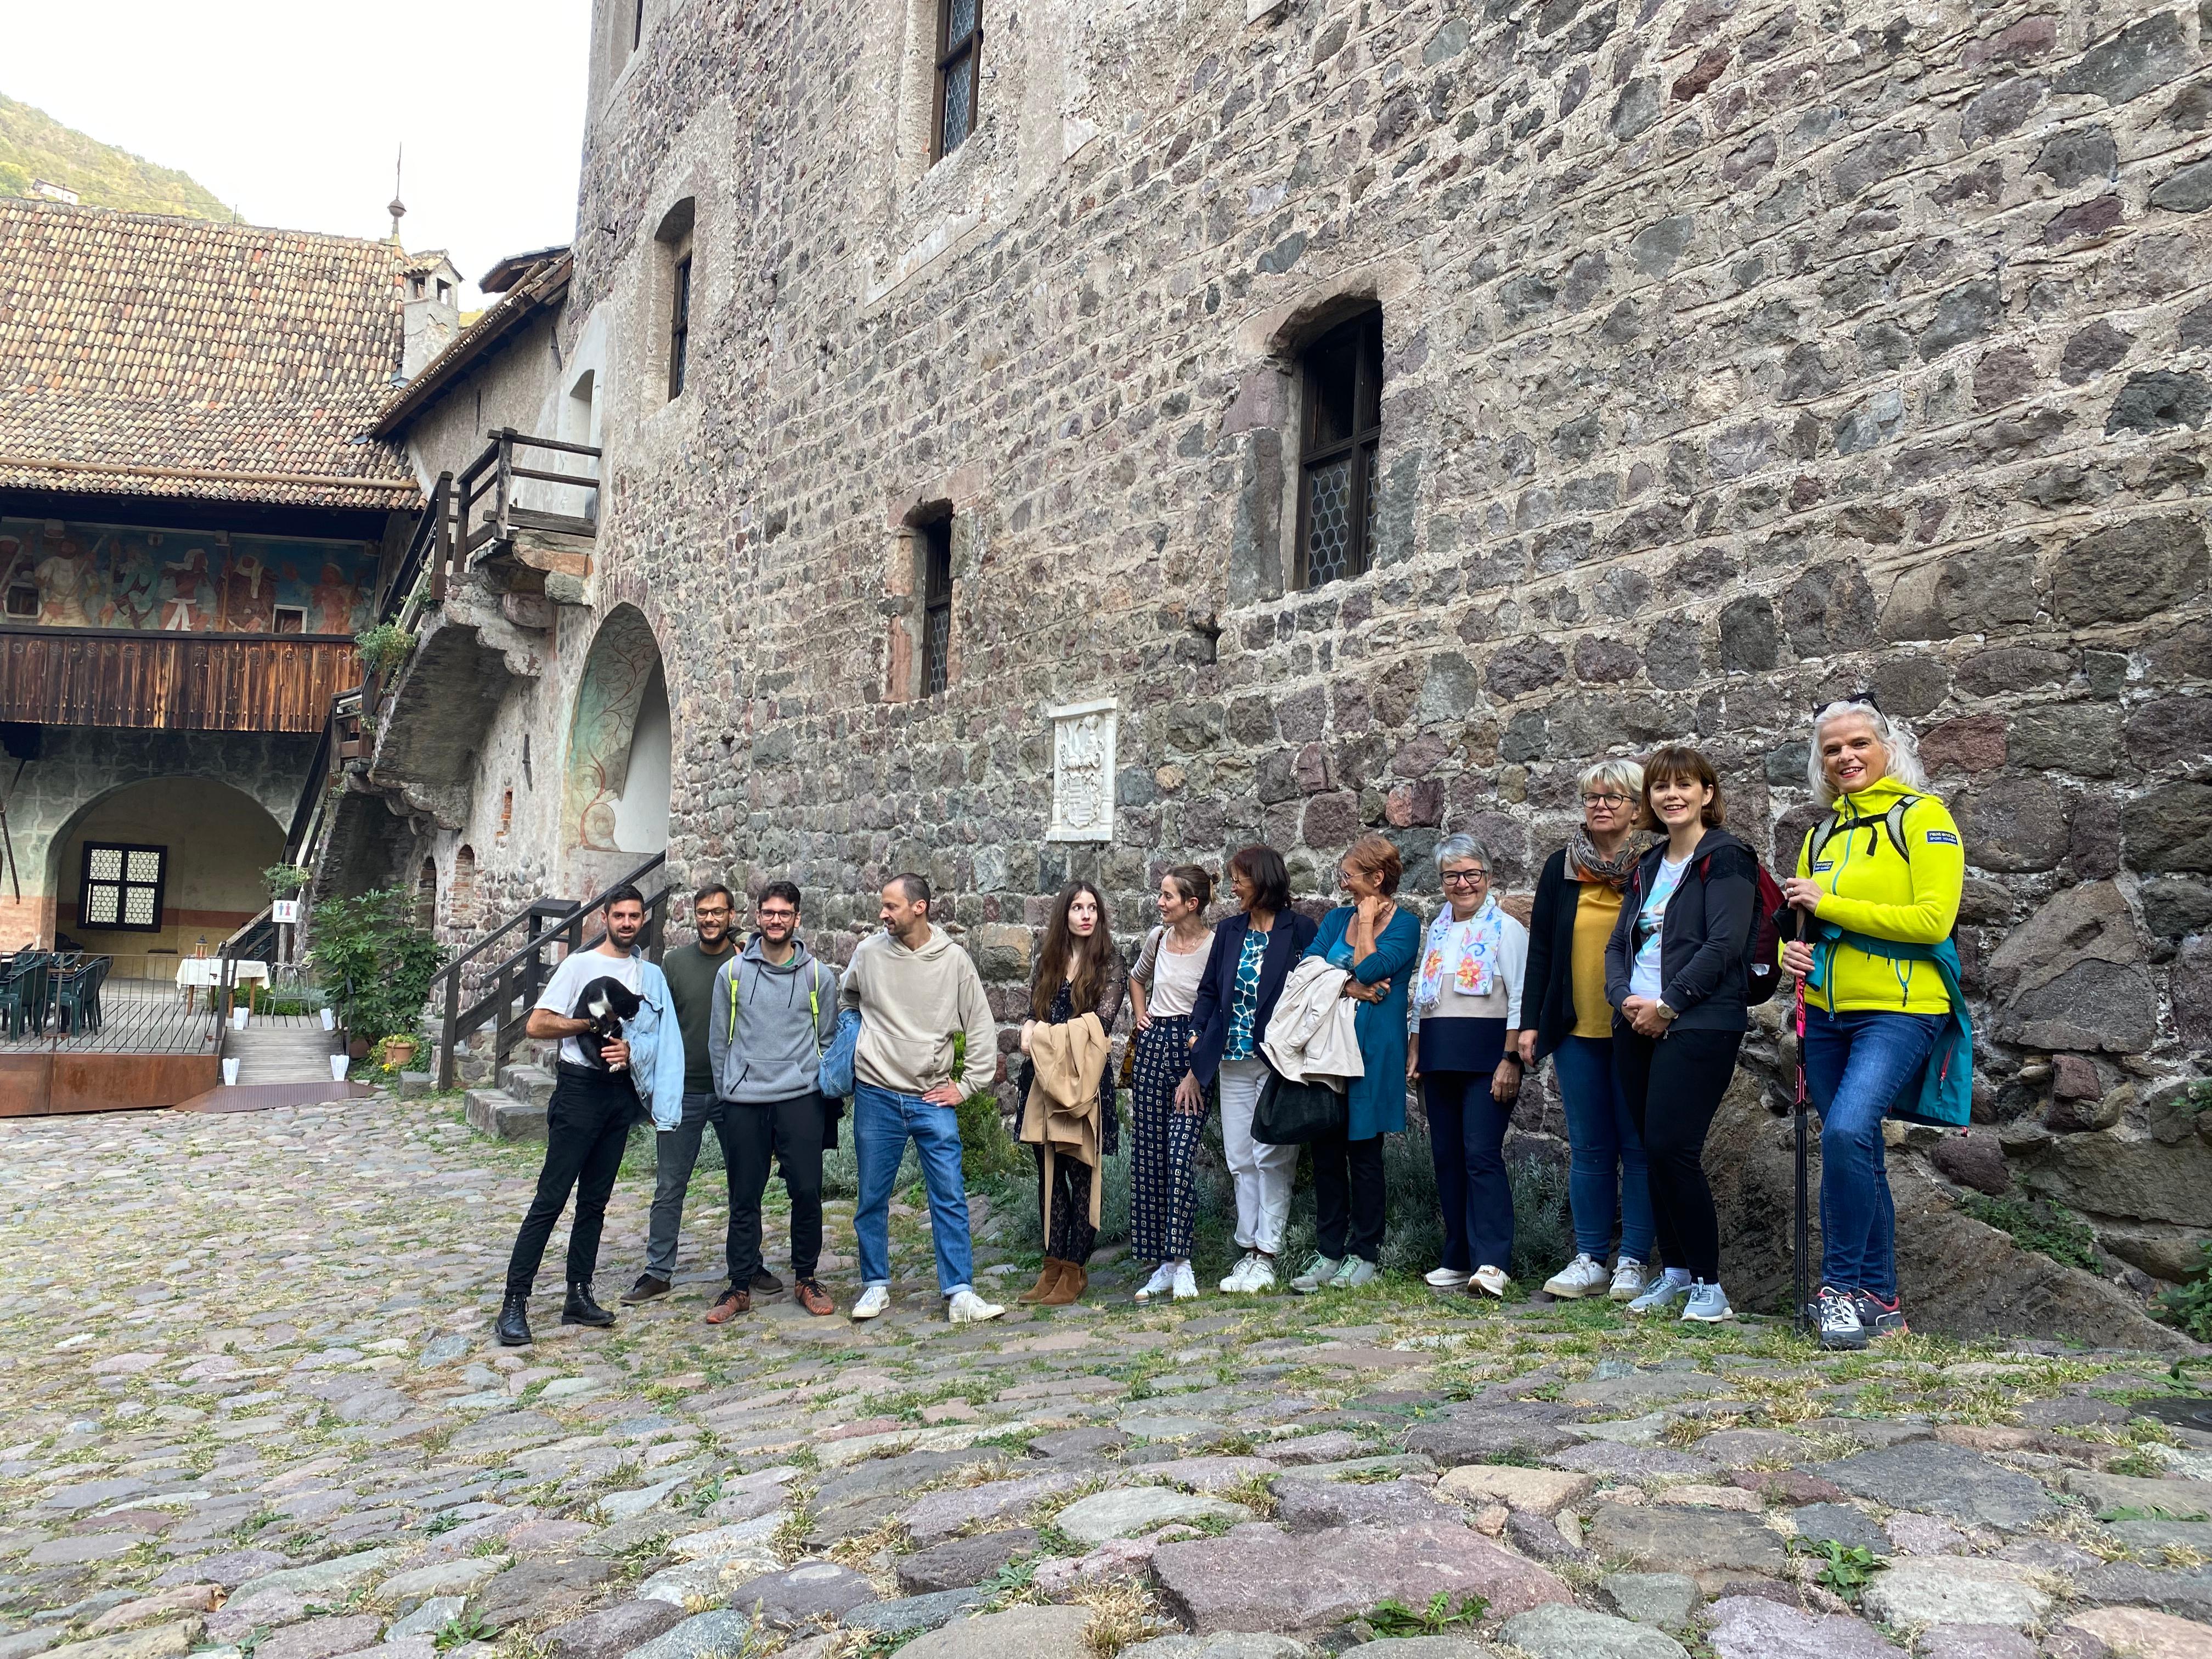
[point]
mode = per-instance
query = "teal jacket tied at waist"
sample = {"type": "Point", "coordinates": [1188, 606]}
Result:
{"type": "Point", "coordinates": [1944, 1092]}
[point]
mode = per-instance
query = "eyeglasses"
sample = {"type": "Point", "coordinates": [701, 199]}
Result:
{"type": "Point", "coordinates": [1465, 877]}
{"type": "Point", "coordinates": [1606, 800]}
{"type": "Point", "coordinates": [778, 916]}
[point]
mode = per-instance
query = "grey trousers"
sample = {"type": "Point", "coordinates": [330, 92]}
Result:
{"type": "Point", "coordinates": [675, 1152]}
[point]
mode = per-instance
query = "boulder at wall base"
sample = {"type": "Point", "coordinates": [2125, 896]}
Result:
{"type": "Point", "coordinates": [1259, 1579]}
{"type": "Point", "coordinates": [2123, 1172]}
{"type": "Point", "coordinates": [1958, 1277]}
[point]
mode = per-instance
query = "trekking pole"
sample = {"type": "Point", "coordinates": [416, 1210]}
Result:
{"type": "Point", "coordinates": [1800, 1264]}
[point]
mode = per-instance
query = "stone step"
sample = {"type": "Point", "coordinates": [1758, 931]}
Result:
{"type": "Point", "coordinates": [531, 1084]}
{"type": "Point", "coordinates": [274, 1054]}
{"type": "Point", "coordinates": [495, 1113]}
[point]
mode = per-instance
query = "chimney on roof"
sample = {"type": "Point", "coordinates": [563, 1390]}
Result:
{"type": "Point", "coordinates": [429, 309]}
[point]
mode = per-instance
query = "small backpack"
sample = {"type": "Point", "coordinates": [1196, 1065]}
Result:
{"type": "Point", "coordinates": [1762, 968]}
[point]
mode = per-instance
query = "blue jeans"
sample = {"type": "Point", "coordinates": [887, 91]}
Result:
{"type": "Point", "coordinates": [1854, 1063]}
{"type": "Point", "coordinates": [883, 1120]}
{"type": "Point", "coordinates": [1607, 1152]}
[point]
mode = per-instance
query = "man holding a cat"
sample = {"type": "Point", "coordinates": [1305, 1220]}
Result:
{"type": "Point", "coordinates": [621, 1046]}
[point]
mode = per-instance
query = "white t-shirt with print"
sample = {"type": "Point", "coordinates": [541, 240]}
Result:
{"type": "Point", "coordinates": [1643, 973]}
{"type": "Point", "coordinates": [577, 969]}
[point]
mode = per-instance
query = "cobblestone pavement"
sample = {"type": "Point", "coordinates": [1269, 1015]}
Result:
{"type": "Point", "coordinates": [252, 1403]}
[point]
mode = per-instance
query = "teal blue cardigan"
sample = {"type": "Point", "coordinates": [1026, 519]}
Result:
{"type": "Point", "coordinates": [1378, 1099]}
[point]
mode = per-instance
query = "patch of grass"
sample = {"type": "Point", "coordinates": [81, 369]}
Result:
{"type": "Point", "coordinates": [2141, 1465]}
{"type": "Point", "coordinates": [2188, 1305]}
{"type": "Point", "coordinates": [1253, 1492]}
{"type": "Point", "coordinates": [2151, 1512]}
{"type": "Point", "coordinates": [2036, 1225]}
{"type": "Point", "coordinates": [1392, 1618]}
{"type": "Point", "coordinates": [1123, 1611]}
{"type": "Point", "coordinates": [461, 1629]}
{"type": "Point", "coordinates": [1845, 1569]}
{"type": "Point", "coordinates": [438, 1524]}
{"type": "Point", "coordinates": [858, 1550]}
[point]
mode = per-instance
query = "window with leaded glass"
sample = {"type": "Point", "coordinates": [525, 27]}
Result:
{"type": "Point", "coordinates": [959, 67]}
{"type": "Point", "coordinates": [679, 326]}
{"type": "Point", "coordinates": [122, 887]}
{"type": "Point", "coordinates": [1337, 470]}
{"type": "Point", "coordinates": [936, 606]}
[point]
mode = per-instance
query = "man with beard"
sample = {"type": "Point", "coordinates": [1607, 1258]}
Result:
{"type": "Point", "coordinates": [691, 972]}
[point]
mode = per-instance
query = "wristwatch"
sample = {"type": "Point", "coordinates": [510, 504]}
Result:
{"type": "Point", "coordinates": [1665, 1012]}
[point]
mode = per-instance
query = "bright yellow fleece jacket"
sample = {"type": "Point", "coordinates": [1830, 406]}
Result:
{"type": "Point", "coordinates": [1878, 892]}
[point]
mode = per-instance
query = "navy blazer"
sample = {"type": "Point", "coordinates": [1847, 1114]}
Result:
{"type": "Point", "coordinates": [1209, 1014]}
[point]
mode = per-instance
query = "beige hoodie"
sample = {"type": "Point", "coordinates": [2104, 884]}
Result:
{"type": "Point", "coordinates": [911, 1002]}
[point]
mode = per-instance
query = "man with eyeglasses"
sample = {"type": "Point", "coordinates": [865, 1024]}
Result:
{"type": "Point", "coordinates": [775, 1011]}
{"type": "Point", "coordinates": [691, 971]}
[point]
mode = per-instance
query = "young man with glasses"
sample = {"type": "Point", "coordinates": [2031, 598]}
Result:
{"type": "Point", "coordinates": [691, 971]}
{"type": "Point", "coordinates": [775, 1012]}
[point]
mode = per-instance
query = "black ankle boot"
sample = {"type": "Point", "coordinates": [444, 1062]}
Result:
{"type": "Point", "coordinates": [514, 1326]}
{"type": "Point", "coordinates": [582, 1310]}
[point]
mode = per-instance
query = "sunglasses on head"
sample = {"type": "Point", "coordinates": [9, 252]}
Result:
{"type": "Point", "coordinates": [1866, 697]}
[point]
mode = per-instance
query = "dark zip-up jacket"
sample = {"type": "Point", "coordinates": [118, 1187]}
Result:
{"type": "Point", "coordinates": [1209, 1013]}
{"type": "Point", "coordinates": [1547, 982]}
{"type": "Point", "coordinates": [1703, 940]}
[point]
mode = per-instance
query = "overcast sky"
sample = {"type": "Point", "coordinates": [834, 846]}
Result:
{"type": "Point", "coordinates": [291, 110]}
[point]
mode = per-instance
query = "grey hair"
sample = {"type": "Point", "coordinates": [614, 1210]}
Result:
{"type": "Point", "coordinates": [1625, 775]}
{"type": "Point", "coordinates": [1896, 738]}
{"type": "Point", "coordinates": [1452, 848]}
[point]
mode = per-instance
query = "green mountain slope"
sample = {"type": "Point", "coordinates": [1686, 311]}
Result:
{"type": "Point", "coordinates": [33, 145]}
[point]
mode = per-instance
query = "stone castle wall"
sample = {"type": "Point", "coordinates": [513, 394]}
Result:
{"type": "Point", "coordinates": [1736, 356]}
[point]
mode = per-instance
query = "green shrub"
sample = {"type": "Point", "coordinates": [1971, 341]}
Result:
{"type": "Point", "coordinates": [375, 964]}
{"type": "Point", "coordinates": [2190, 1305]}
{"type": "Point", "coordinates": [2036, 1224]}
{"type": "Point", "coordinates": [383, 648]}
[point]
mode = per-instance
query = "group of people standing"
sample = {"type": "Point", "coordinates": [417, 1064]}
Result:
{"type": "Point", "coordinates": [1647, 943]}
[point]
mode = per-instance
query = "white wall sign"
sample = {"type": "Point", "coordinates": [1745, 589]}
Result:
{"type": "Point", "coordinates": [285, 910]}
{"type": "Point", "coordinates": [1083, 771]}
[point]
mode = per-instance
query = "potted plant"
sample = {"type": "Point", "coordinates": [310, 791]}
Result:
{"type": "Point", "coordinates": [376, 966]}
{"type": "Point", "coordinates": [383, 647]}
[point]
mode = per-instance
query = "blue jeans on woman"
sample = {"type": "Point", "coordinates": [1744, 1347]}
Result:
{"type": "Point", "coordinates": [883, 1119]}
{"type": "Point", "coordinates": [1855, 1064]}
{"type": "Point", "coordinates": [1607, 1154]}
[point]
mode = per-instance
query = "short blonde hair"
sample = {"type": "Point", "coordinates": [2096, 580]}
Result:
{"type": "Point", "coordinates": [1617, 776]}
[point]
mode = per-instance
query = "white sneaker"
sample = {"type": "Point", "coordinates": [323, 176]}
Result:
{"type": "Point", "coordinates": [1261, 1276]}
{"type": "Point", "coordinates": [1630, 1279]}
{"type": "Point", "coordinates": [1491, 1281]}
{"type": "Point", "coordinates": [1357, 1271]}
{"type": "Point", "coordinates": [1186, 1282]}
{"type": "Point", "coordinates": [1240, 1276]}
{"type": "Point", "coordinates": [1578, 1279]}
{"type": "Point", "coordinates": [1158, 1285]}
{"type": "Point", "coordinates": [1319, 1272]}
{"type": "Point", "coordinates": [873, 1300]}
{"type": "Point", "coordinates": [966, 1308]}
{"type": "Point", "coordinates": [1445, 1278]}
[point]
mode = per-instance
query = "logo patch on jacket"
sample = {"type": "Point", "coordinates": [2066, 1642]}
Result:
{"type": "Point", "coordinates": [1824, 864]}
{"type": "Point", "coordinates": [1942, 837]}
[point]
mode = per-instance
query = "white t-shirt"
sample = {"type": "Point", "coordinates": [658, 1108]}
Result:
{"type": "Point", "coordinates": [577, 969]}
{"type": "Point", "coordinates": [1643, 973]}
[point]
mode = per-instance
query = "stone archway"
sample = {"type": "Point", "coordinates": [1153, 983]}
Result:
{"type": "Point", "coordinates": [618, 768]}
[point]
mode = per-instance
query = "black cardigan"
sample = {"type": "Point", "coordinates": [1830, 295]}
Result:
{"type": "Point", "coordinates": [1703, 940]}
{"type": "Point", "coordinates": [1209, 1013]}
{"type": "Point", "coordinates": [1548, 987]}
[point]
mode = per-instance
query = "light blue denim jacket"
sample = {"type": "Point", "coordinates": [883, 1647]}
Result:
{"type": "Point", "coordinates": [656, 1049]}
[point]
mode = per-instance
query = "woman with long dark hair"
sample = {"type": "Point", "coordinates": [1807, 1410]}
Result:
{"type": "Point", "coordinates": [1077, 972]}
{"type": "Point", "coordinates": [1163, 986]}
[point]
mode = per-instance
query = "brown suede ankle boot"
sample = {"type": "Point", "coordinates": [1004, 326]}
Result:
{"type": "Point", "coordinates": [1069, 1287]}
{"type": "Point", "coordinates": [1045, 1281]}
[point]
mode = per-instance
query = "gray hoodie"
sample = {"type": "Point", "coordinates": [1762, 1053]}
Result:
{"type": "Point", "coordinates": [769, 1023]}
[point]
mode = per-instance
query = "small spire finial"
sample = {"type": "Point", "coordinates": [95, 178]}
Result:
{"type": "Point", "coordinates": [397, 208]}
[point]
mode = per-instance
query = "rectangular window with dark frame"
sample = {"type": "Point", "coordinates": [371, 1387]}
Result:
{"type": "Point", "coordinates": [122, 887]}
{"type": "Point", "coordinates": [936, 606]}
{"type": "Point", "coordinates": [959, 70]}
{"type": "Point", "coordinates": [637, 26]}
{"type": "Point", "coordinates": [1342, 431]}
{"type": "Point", "coordinates": [679, 326]}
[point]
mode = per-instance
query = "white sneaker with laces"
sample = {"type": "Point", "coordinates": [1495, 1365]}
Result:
{"type": "Point", "coordinates": [1445, 1278]}
{"type": "Point", "coordinates": [1489, 1280]}
{"type": "Point", "coordinates": [1630, 1279]}
{"type": "Point", "coordinates": [1581, 1277]}
{"type": "Point", "coordinates": [1356, 1271]}
{"type": "Point", "coordinates": [1319, 1272]}
{"type": "Point", "coordinates": [873, 1300]}
{"type": "Point", "coordinates": [1158, 1285]}
{"type": "Point", "coordinates": [1261, 1276]}
{"type": "Point", "coordinates": [1234, 1283]}
{"type": "Point", "coordinates": [1186, 1282]}
{"type": "Point", "coordinates": [966, 1308]}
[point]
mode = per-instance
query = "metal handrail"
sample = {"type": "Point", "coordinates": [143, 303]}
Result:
{"type": "Point", "coordinates": [522, 972]}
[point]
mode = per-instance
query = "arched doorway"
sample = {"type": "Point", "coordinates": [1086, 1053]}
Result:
{"type": "Point", "coordinates": [150, 871]}
{"type": "Point", "coordinates": [461, 897]}
{"type": "Point", "coordinates": [621, 757]}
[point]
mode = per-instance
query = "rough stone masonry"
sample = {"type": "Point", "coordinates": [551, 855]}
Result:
{"type": "Point", "coordinates": [1735, 357]}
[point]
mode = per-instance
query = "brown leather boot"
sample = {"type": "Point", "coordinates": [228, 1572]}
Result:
{"type": "Point", "coordinates": [1069, 1287]}
{"type": "Point", "coordinates": [1046, 1280]}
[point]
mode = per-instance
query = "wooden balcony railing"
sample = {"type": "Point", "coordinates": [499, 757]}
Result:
{"type": "Point", "coordinates": [493, 499]}
{"type": "Point", "coordinates": [172, 682]}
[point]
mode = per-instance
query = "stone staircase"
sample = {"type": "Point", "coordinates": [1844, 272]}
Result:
{"type": "Point", "coordinates": [514, 1110]}
{"type": "Point", "coordinates": [284, 1049]}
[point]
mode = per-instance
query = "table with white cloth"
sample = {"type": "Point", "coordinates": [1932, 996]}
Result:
{"type": "Point", "coordinates": [194, 972]}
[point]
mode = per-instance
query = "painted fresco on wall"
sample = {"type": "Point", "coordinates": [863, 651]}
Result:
{"type": "Point", "coordinates": [622, 661]}
{"type": "Point", "coordinates": [182, 582]}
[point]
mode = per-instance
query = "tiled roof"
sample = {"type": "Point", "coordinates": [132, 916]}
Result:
{"type": "Point", "coordinates": [544, 285]}
{"type": "Point", "coordinates": [144, 355]}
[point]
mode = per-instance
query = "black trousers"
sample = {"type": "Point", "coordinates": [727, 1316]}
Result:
{"type": "Point", "coordinates": [1072, 1237]}
{"type": "Point", "coordinates": [587, 1123]}
{"type": "Point", "coordinates": [1348, 1197]}
{"type": "Point", "coordinates": [1674, 1085]}
{"type": "Point", "coordinates": [791, 1130]}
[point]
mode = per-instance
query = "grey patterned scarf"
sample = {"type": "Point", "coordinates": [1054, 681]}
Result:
{"type": "Point", "coordinates": [1614, 871]}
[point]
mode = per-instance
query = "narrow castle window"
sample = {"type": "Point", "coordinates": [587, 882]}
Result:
{"type": "Point", "coordinates": [1342, 428]}
{"type": "Point", "coordinates": [679, 326]}
{"type": "Point", "coordinates": [936, 539]}
{"type": "Point", "coordinates": [959, 70]}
